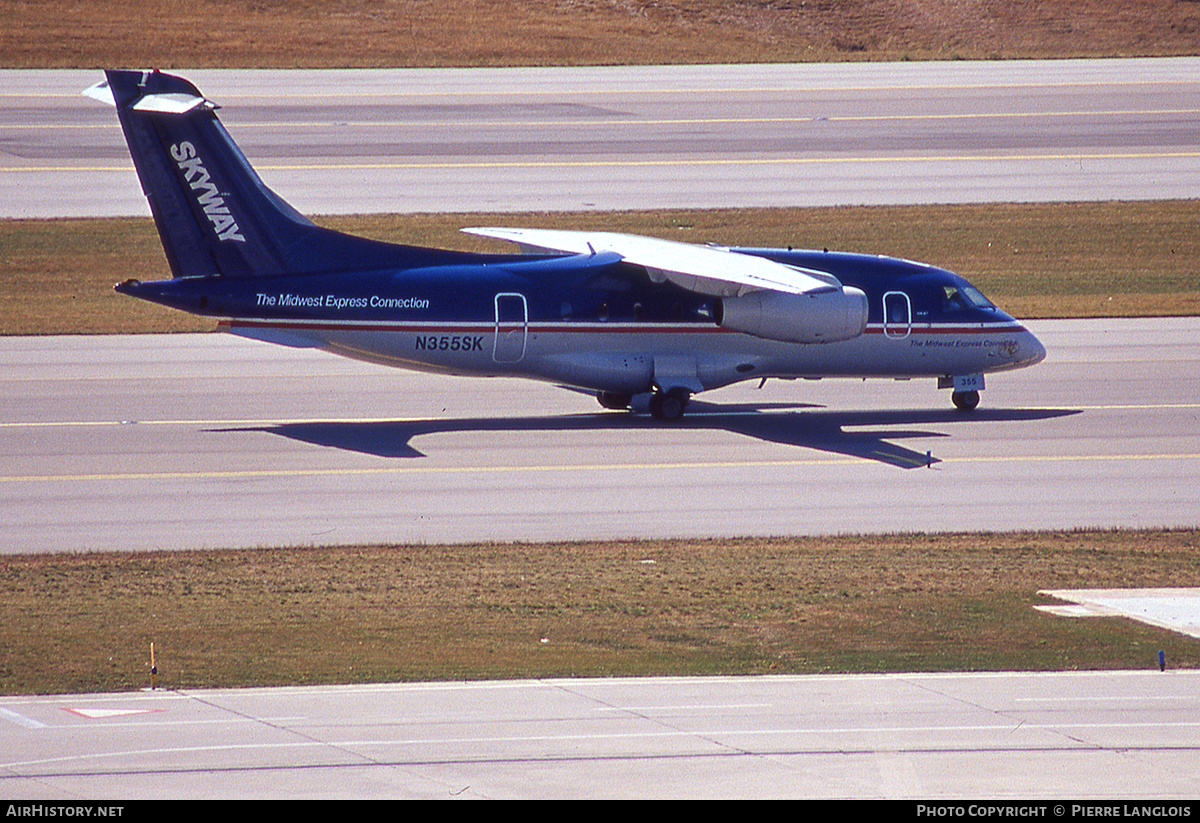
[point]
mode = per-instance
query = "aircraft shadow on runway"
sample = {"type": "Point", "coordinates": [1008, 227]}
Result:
{"type": "Point", "coordinates": [868, 435]}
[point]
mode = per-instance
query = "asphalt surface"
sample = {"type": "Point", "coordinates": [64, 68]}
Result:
{"type": "Point", "coordinates": [642, 137]}
{"type": "Point", "coordinates": [206, 441]}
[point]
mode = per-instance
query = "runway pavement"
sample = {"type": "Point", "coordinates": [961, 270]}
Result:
{"type": "Point", "coordinates": [1063, 738]}
{"type": "Point", "coordinates": [198, 441]}
{"type": "Point", "coordinates": [159, 433]}
{"type": "Point", "coordinates": [604, 138]}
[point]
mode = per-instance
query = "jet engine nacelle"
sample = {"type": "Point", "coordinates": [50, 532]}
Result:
{"type": "Point", "coordinates": [814, 317]}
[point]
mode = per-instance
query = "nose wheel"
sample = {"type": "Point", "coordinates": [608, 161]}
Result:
{"type": "Point", "coordinates": [965, 400]}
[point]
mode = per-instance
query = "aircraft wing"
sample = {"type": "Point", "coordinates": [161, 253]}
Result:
{"type": "Point", "coordinates": [703, 269]}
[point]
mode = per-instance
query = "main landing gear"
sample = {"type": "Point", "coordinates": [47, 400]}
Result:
{"type": "Point", "coordinates": [614, 399]}
{"type": "Point", "coordinates": [666, 406]}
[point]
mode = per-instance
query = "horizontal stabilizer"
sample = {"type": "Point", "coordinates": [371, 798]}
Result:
{"type": "Point", "coordinates": [170, 103]}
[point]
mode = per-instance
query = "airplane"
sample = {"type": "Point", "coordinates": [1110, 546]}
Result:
{"type": "Point", "coordinates": [643, 323]}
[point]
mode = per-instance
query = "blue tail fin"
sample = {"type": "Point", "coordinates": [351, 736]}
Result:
{"type": "Point", "coordinates": [213, 213]}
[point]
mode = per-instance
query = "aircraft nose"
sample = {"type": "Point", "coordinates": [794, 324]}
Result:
{"type": "Point", "coordinates": [1032, 349]}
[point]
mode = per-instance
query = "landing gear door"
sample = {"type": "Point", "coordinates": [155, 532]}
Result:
{"type": "Point", "coordinates": [512, 328]}
{"type": "Point", "coordinates": [897, 315]}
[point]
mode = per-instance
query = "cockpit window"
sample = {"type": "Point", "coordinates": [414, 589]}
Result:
{"type": "Point", "coordinates": [976, 298]}
{"type": "Point", "coordinates": [953, 299]}
{"type": "Point", "coordinates": [957, 298]}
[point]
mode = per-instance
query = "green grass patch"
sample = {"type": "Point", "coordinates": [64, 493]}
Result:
{"type": "Point", "coordinates": [1038, 260]}
{"type": "Point", "coordinates": [939, 602]}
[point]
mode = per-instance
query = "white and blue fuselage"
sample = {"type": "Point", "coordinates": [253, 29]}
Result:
{"type": "Point", "coordinates": [618, 315]}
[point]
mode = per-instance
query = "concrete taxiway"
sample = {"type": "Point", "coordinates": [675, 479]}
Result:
{"type": "Point", "coordinates": [929, 736]}
{"type": "Point", "coordinates": [642, 137]}
{"type": "Point", "coordinates": [205, 441]}
{"type": "Point", "coordinates": [1177, 609]}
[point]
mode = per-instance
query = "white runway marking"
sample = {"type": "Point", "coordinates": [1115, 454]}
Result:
{"type": "Point", "coordinates": [20, 719]}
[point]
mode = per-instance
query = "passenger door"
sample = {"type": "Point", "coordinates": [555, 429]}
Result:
{"type": "Point", "coordinates": [512, 328]}
{"type": "Point", "coordinates": [897, 315]}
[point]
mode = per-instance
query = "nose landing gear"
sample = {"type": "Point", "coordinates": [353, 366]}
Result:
{"type": "Point", "coordinates": [966, 389]}
{"type": "Point", "coordinates": [965, 400]}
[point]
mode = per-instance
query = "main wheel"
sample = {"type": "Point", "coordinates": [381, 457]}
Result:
{"type": "Point", "coordinates": [965, 400]}
{"type": "Point", "coordinates": [668, 406]}
{"type": "Point", "coordinates": [613, 399]}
